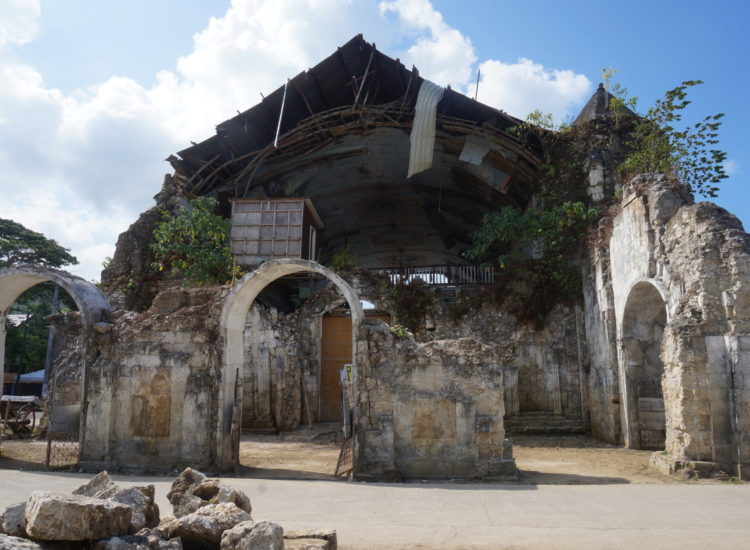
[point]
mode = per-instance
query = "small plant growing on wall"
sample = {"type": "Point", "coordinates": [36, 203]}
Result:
{"type": "Point", "coordinates": [399, 331]}
{"type": "Point", "coordinates": [344, 260]}
{"type": "Point", "coordinates": [194, 243]}
{"type": "Point", "coordinates": [410, 303]}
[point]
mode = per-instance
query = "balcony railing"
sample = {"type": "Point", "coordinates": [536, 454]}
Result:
{"type": "Point", "coordinates": [439, 275]}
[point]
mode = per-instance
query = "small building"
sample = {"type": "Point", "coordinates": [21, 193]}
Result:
{"type": "Point", "coordinates": [269, 229]}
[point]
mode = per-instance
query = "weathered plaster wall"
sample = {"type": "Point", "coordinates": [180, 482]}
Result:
{"type": "Point", "coordinates": [281, 375]}
{"type": "Point", "coordinates": [599, 318]}
{"type": "Point", "coordinates": [152, 391]}
{"type": "Point", "coordinates": [431, 410]}
{"type": "Point", "coordinates": [696, 257]}
{"type": "Point", "coordinates": [545, 368]}
{"type": "Point", "coordinates": [264, 349]}
{"type": "Point", "coordinates": [705, 347]}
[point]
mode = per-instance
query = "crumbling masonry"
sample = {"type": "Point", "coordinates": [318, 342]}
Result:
{"type": "Point", "coordinates": [382, 178]}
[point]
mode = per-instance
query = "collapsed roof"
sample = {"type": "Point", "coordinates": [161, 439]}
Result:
{"type": "Point", "coordinates": [342, 139]}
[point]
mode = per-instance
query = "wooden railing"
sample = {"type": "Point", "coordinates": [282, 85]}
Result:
{"type": "Point", "coordinates": [439, 275]}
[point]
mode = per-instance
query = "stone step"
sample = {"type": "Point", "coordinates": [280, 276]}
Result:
{"type": "Point", "coordinates": [259, 427]}
{"type": "Point", "coordinates": [543, 423]}
{"type": "Point", "coordinates": [259, 431]}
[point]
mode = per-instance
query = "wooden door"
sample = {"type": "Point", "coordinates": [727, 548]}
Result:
{"type": "Point", "coordinates": [336, 351]}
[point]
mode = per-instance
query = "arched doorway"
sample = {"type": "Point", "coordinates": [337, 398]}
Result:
{"type": "Point", "coordinates": [91, 302]}
{"type": "Point", "coordinates": [643, 322]}
{"type": "Point", "coordinates": [232, 330]}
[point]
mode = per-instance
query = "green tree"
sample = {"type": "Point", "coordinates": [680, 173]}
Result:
{"type": "Point", "coordinates": [661, 143]}
{"type": "Point", "coordinates": [535, 249]}
{"type": "Point", "coordinates": [26, 342]}
{"type": "Point", "coordinates": [19, 245]}
{"type": "Point", "coordinates": [194, 243]}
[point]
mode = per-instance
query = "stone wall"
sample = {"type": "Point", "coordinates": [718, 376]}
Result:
{"type": "Point", "coordinates": [599, 317]}
{"type": "Point", "coordinates": [281, 375]}
{"type": "Point", "coordinates": [430, 409]}
{"type": "Point", "coordinates": [665, 290]}
{"type": "Point", "coordinates": [151, 395]}
{"type": "Point", "coordinates": [705, 349]}
{"type": "Point", "coordinates": [546, 368]}
{"type": "Point", "coordinates": [694, 259]}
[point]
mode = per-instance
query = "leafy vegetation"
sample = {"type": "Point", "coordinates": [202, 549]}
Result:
{"type": "Point", "coordinates": [26, 342]}
{"type": "Point", "coordinates": [344, 260]}
{"type": "Point", "coordinates": [562, 149]}
{"type": "Point", "coordinates": [399, 331]}
{"type": "Point", "coordinates": [194, 243]}
{"type": "Point", "coordinates": [660, 143]}
{"type": "Point", "coordinates": [534, 250]}
{"type": "Point", "coordinates": [19, 246]}
{"type": "Point", "coordinates": [410, 303]}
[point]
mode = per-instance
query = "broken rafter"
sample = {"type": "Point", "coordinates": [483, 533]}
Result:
{"type": "Point", "coordinates": [232, 149]}
{"type": "Point", "coordinates": [345, 68]}
{"type": "Point", "coordinates": [302, 162]}
{"type": "Point", "coordinates": [225, 167]}
{"type": "Point", "coordinates": [206, 164]}
{"type": "Point", "coordinates": [412, 78]}
{"type": "Point", "coordinates": [301, 95]}
{"type": "Point", "coordinates": [364, 78]}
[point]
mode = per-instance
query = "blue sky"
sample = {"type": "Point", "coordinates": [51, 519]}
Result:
{"type": "Point", "coordinates": [96, 94]}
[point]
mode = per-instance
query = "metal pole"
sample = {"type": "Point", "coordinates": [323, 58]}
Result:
{"type": "Point", "coordinates": [281, 115]}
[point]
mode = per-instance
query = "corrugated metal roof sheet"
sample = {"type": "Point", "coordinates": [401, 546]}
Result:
{"type": "Point", "coordinates": [422, 138]}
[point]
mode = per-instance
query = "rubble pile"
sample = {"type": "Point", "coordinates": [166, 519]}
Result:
{"type": "Point", "coordinates": [101, 515]}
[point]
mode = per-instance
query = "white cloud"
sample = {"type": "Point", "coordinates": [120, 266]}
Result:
{"type": "Point", "coordinates": [82, 166]}
{"type": "Point", "coordinates": [521, 87]}
{"type": "Point", "coordinates": [19, 21]}
{"type": "Point", "coordinates": [443, 54]}
{"type": "Point", "coordinates": [446, 56]}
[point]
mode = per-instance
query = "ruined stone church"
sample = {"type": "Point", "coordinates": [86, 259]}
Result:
{"type": "Point", "coordinates": [358, 176]}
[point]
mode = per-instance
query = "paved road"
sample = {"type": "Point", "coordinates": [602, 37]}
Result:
{"type": "Point", "coordinates": [477, 516]}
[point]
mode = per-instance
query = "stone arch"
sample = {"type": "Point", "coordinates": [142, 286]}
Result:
{"type": "Point", "coordinates": [92, 304]}
{"type": "Point", "coordinates": [232, 328]}
{"type": "Point", "coordinates": [644, 317]}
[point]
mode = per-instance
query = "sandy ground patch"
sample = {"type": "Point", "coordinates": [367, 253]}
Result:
{"type": "Point", "coordinates": [313, 454]}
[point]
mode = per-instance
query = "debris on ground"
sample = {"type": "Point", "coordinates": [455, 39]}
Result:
{"type": "Point", "coordinates": [207, 514]}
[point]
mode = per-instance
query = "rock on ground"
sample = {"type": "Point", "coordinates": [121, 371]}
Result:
{"type": "Point", "coordinates": [327, 535]}
{"type": "Point", "coordinates": [99, 486]}
{"type": "Point", "coordinates": [74, 518]}
{"type": "Point", "coordinates": [147, 539]}
{"type": "Point", "coordinates": [203, 528]}
{"type": "Point", "coordinates": [8, 542]}
{"type": "Point", "coordinates": [145, 512]}
{"type": "Point", "coordinates": [250, 535]}
{"type": "Point", "coordinates": [14, 520]}
{"type": "Point", "coordinates": [306, 544]}
{"type": "Point", "coordinates": [191, 490]}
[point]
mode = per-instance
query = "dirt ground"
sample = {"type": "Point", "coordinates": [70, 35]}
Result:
{"type": "Point", "coordinates": [543, 460]}
{"type": "Point", "coordinates": [313, 454]}
{"type": "Point", "coordinates": [23, 454]}
{"type": "Point", "coordinates": [580, 460]}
